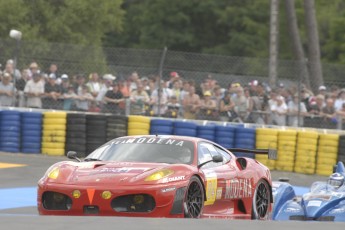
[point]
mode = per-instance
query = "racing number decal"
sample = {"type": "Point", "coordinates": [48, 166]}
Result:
{"type": "Point", "coordinates": [211, 191]}
{"type": "Point", "coordinates": [211, 187]}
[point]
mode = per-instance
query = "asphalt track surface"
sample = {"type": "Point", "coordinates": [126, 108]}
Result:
{"type": "Point", "coordinates": [19, 174]}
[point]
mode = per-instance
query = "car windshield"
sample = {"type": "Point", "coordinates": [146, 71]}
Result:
{"type": "Point", "coordinates": [146, 149]}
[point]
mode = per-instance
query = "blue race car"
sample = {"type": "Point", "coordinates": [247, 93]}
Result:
{"type": "Point", "coordinates": [324, 202]}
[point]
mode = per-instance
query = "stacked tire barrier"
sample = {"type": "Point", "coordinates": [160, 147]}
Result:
{"type": "Point", "coordinates": [116, 126]}
{"type": "Point", "coordinates": [341, 148]}
{"type": "Point", "coordinates": [31, 134]}
{"type": "Point", "coordinates": [266, 138]}
{"type": "Point", "coordinates": [286, 150]}
{"type": "Point", "coordinates": [96, 131]}
{"type": "Point", "coordinates": [54, 133]}
{"type": "Point", "coordinates": [245, 139]}
{"type": "Point", "coordinates": [76, 134]}
{"type": "Point", "coordinates": [327, 152]}
{"type": "Point", "coordinates": [185, 128]}
{"type": "Point", "coordinates": [206, 132]}
{"type": "Point", "coordinates": [138, 125]}
{"type": "Point", "coordinates": [305, 160]}
{"type": "Point", "coordinates": [161, 127]}
{"type": "Point", "coordinates": [10, 127]}
{"type": "Point", "coordinates": [225, 136]}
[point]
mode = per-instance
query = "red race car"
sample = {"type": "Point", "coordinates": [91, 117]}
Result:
{"type": "Point", "coordinates": [158, 176]}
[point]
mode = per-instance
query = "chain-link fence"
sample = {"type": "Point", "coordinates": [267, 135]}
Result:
{"type": "Point", "coordinates": [171, 83]}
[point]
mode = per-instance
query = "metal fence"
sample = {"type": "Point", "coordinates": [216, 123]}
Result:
{"type": "Point", "coordinates": [212, 74]}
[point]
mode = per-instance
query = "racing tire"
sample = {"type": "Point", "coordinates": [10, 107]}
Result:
{"type": "Point", "coordinates": [261, 201]}
{"type": "Point", "coordinates": [194, 198]}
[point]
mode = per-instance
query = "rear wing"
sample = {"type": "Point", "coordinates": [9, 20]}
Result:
{"type": "Point", "coordinates": [272, 153]}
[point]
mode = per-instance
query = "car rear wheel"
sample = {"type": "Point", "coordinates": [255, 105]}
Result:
{"type": "Point", "coordinates": [261, 201]}
{"type": "Point", "coordinates": [194, 199]}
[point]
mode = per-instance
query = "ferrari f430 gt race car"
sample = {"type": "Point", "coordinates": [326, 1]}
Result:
{"type": "Point", "coordinates": [324, 202]}
{"type": "Point", "coordinates": [158, 176]}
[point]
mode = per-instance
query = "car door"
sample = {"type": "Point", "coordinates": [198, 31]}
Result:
{"type": "Point", "coordinates": [217, 176]}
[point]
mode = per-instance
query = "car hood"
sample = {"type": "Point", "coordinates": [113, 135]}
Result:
{"type": "Point", "coordinates": [95, 173]}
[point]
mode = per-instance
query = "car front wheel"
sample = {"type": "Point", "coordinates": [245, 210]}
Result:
{"type": "Point", "coordinates": [261, 201]}
{"type": "Point", "coordinates": [194, 198]}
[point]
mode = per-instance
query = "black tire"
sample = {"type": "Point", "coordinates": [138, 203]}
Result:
{"type": "Point", "coordinates": [76, 134]}
{"type": "Point", "coordinates": [76, 121]}
{"type": "Point", "coordinates": [194, 199]}
{"type": "Point", "coordinates": [117, 126]}
{"type": "Point", "coordinates": [76, 115]}
{"type": "Point", "coordinates": [76, 127]}
{"type": "Point", "coordinates": [261, 201]}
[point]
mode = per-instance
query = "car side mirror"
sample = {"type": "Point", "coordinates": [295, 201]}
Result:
{"type": "Point", "coordinates": [73, 155]}
{"type": "Point", "coordinates": [217, 158]}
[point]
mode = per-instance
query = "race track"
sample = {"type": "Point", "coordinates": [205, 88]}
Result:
{"type": "Point", "coordinates": [19, 174]}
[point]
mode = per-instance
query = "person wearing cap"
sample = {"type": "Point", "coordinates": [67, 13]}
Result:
{"type": "Point", "coordinates": [34, 68]}
{"type": "Point", "coordinates": [9, 68]}
{"type": "Point", "coordinates": [107, 82]}
{"type": "Point", "coordinates": [112, 100]}
{"type": "Point", "coordinates": [279, 111]}
{"type": "Point", "coordinates": [322, 90]}
{"type": "Point", "coordinates": [173, 108]}
{"type": "Point", "coordinates": [207, 107]}
{"type": "Point", "coordinates": [33, 90]}
{"type": "Point", "coordinates": [6, 90]}
{"type": "Point", "coordinates": [328, 114]}
{"type": "Point", "coordinates": [70, 98]}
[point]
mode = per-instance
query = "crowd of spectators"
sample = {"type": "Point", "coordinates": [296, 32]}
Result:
{"type": "Point", "coordinates": [176, 97]}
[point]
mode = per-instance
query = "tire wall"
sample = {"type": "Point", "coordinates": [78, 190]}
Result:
{"type": "Point", "coordinates": [56, 132]}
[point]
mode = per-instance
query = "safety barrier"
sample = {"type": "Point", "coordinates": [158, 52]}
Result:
{"type": "Point", "coordinates": [56, 132]}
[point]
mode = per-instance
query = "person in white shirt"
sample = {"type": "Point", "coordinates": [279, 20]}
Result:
{"type": "Point", "coordinates": [294, 107]}
{"type": "Point", "coordinates": [33, 90]}
{"type": "Point", "coordinates": [340, 100]}
{"type": "Point", "coordinates": [279, 111]}
{"type": "Point", "coordinates": [6, 90]}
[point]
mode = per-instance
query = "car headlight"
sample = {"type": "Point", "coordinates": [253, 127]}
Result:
{"type": "Point", "coordinates": [54, 173]}
{"type": "Point", "coordinates": [159, 175]}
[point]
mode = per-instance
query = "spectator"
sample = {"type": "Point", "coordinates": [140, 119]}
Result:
{"type": "Point", "coordinates": [191, 104]}
{"type": "Point", "coordinates": [227, 106]}
{"type": "Point", "coordinates": [176, 89]}
{"type": "Point", "coordinates": [52, 93]}
{"type": "Point", "coordinates": [341, 115]}
{"type": "Point", "coordinates": [159, 103]}
{"type": "Point", "coordinates": [296, 109]}
{"type": "Point", "coordinates": [317, 105]}
{"type": "Point", "coordinates": [323, 90]}
{"type": "Point", "coordinates": [33, 90]}
{"type": "Point", "coordinates": [70, 97]}
{"type": "Point", "coordinates": [139, 99]}
{"type": "Point", "coordinates": [279, 111]}
{"type": "Point", "coordinates": [340, 100]}
{"type": "Point", "coordinates": [145, 83]}
{"type": "Point", "coordinates": [329, 114]}
{"type": "Point", "coordinates": [173, 108]}
{"type": "Point", "coordinates": [94, 84]}
{"type": "Point", "coordinates": [113, 98]}
{"type": "Point", "coordinates": [174, 76]}
{"type": "Point", "coordinates": [20, 85]}
{"type": "Point", "coordinates": [9, 68]}
{"type": "Point", "coordinates": [53, 69]}
{"type": "Point", "coordinates": [34, 69]}
{"type": "Point", "coordinates": [241, 103]}
{"type": "Point", "coordinates": [250, 106]}
{"type": "Point", "coordinates": [208, 108]}
{"type": "Point", "coordinates": [133, 81]}
{"type": "Point", "coordinates": [108, 81]}
{"type": "Point", "coordinates": [65, 84]}
{"type": "Point", "coordinates": [84, 99]}
{"type": "Point", "coordinates": [184, 91]}
{"type": "Point", "coordinates": [78, 85]}
{"type": "Point", "coordinates": [6, 90]}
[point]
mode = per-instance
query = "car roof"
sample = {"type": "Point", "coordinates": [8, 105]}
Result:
{"type": "Point", "coordinates": [186, 138]}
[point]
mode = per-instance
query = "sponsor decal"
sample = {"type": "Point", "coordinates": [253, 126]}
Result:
{"type": "Point", "coordinates": [238, 188]}
{"type": "Point", "coordinates": [337, 211]}
{"type": "Point", "coordinates": [318, 196]}
{"type": "Point", "coordinates": [172, 179]}
{"type": "Point", "coordinates": [168, 189]}
{"type": "Point", "coordinates": [145, 140]}
{"type": "Point", "coordinates": [292, 210]}
{"type": "Point", "coordinates": [219, 193]}
{"type": "Point", "coordinates": [314, 203]}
